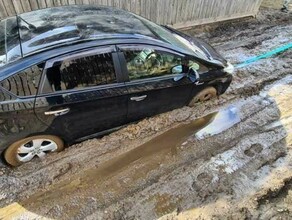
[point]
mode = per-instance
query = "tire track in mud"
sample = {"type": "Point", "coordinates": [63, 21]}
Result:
{"type": "Point", "coordinates": [172, 181]}
{"type": "Point", "coordinates": [246, 190]}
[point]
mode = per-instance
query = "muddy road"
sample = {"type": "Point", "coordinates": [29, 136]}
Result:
{"type": "Point", "coordinates": [229, 157]}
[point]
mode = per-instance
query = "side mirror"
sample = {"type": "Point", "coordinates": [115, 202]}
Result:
{"type": "Point", "coordinates": [193, 75]}
{"type": "Point", "coordinates": [177, 69]}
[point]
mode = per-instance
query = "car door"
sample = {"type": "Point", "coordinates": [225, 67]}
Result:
{"type": "Point", "coordinates": [150, 81]}
{"type": "Point", "coordinates": [82, 94]}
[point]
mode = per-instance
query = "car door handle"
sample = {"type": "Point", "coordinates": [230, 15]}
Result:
{"type": "Point", "coordinates": [139, 98]}
{"type": "Point", "coordinates": [198, 83]}
{"type": "Point", "coordinates": [58, 112]}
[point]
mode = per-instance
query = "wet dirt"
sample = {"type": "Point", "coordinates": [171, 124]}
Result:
{"type": "Point", "coordinates": [226, 158]}
{"type": "Point", "coordinates": [161, 150]}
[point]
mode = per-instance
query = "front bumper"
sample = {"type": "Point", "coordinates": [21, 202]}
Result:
{"type": "Point", "coordinates": [229, 68]}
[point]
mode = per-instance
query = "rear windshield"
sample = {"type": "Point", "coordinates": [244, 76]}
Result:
{"type": "Point", "coordinates": [9, 41]}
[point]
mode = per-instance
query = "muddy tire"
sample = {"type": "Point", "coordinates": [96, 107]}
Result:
{"type": "Point", "coordinates": [26, 149]}
{"type": "Point", "coordinates": [204, 95]}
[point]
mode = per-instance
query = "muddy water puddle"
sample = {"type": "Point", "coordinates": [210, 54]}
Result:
{"type": "Point", "coordinates": [222, 121]}
{"type": "Point", "coordinates": [116, 176]}
{"type": "Point", "coordinates": [169, 141]}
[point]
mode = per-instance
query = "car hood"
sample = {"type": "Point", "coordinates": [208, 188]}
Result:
{"type": "Point", "coordinates": [209, 50]}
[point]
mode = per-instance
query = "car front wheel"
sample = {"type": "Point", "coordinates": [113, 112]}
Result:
{"type": "Point", "coordinates": [26, 149]}
{"type": "Point", "coordinates": [204, 95]}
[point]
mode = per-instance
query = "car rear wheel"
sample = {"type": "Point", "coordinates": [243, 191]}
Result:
{"type": "Point", "coordinates": [26, 149]}
{"type": "Point", "coordinates": [204, 95]}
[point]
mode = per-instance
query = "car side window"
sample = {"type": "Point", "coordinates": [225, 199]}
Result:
{"type": "Point", "coordinates": [148, 63]}
{"type": "Point", "coordinates": [24, 83]}
{"type": "Point", "coordinates": [81, 72]}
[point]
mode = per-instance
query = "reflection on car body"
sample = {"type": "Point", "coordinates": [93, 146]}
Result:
{"type": "Point", "coordinates": [80, 71]}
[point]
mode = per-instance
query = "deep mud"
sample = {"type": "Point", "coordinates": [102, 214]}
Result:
{"type": "Point", "coordinates": [227, 158]}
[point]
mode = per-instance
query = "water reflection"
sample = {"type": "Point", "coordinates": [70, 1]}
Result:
{"type": "Point", "coordinates": [223, 120]}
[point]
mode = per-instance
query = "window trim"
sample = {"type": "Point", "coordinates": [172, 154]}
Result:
{"type": "Point", "coordinates": [142, 46]}
{"type": "Point", "coordinates": [154, 79]}
{"type": "Point", "coordinates": [76, 55]}
{"type": "Point", "coordinates": [86, 89]}
{"type": "Point", "coordinates": [80, 54]}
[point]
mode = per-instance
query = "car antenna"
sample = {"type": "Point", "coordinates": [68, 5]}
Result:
{"type": "Point", "coordinates": [19, 38]}
{"type": "Point", "coordinates": [31, 26]}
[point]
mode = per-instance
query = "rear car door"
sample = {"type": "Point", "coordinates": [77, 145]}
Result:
{"type": "Point", "coordinates": [17, 96]}
{"type": "Point", "coordinates": [150, 82]}
{"type": "Point", "coordinates": [82, 94]}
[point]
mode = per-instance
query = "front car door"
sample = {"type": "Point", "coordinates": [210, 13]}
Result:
{"type": "Point", "coordinates": [151, 85]}
{"type": "Point", "coordinates": [82, 94]}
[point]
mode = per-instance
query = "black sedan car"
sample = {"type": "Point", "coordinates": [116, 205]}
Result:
{"type": "Point", "coordinates": [70, 73]}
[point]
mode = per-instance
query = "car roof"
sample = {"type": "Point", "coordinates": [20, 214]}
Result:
{"type": "Point", "coordinates": [43, 29]}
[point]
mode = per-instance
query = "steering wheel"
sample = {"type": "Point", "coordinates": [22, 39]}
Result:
{"type": "Point", "coordinates": [157, 57]}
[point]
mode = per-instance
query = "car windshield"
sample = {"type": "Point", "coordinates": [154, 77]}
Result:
{"type": "Point", "coordinates": [172, 38]}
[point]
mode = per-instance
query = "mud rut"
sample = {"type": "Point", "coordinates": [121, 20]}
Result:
{"type": "Point", "coordinates": [239, 166]}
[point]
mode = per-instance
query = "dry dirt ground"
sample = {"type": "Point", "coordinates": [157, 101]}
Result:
{"type": "Point", "coordinates": [229, 158]}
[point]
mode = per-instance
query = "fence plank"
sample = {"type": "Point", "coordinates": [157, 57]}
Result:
{"type": "Point", "coordinates": [3, 11]}
{"type": "Point", "coordinates": [57, 3]}
{"type": "Point", "coordinates": [64, 2]}
{"type": "Point", "coordinates": [26, 6]}
{"type": "Point", "coordinates": [42, 3]}
{"type": "Point", "coordinates": [171, 12]}
{"type": "Point", "coordinates": [33, 5]}
{"type": "Point", "coordinates": [50, 3]}
{"type": "Point", "coordinates": [104, 2]}
{"type": "Point", "coordinates": [8, 4]}
{"type": "Point", "coordinates": [18, 7]}
{"type": "Point", "coordinates": [71, 2]}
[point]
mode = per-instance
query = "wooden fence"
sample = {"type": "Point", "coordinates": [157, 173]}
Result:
{"type": "Point", "coordinates": [176, 13]}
